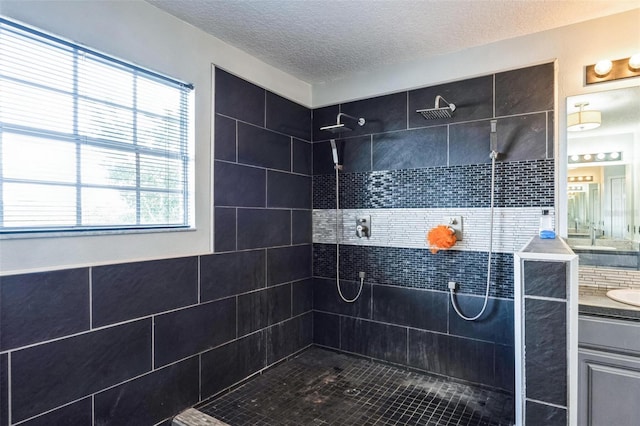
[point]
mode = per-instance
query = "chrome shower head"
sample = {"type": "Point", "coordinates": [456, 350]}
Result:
{"type": "Point", "coordinates": [341, 127]}
{"type": "Point", "coordinates": [437, 111]}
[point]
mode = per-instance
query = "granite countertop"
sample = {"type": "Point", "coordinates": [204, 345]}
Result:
{"type": "Point", "coordinates": [596, 302]}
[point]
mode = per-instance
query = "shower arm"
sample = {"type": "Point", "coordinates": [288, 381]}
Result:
{"type": "Point", "coordinates": [440, 98]}
{"type": "Point", "coordinates": [360, 120]}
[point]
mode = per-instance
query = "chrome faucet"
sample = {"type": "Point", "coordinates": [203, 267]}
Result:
{"type": "Point", "coordinates": [593, 235]}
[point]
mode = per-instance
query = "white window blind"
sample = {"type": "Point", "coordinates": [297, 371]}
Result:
{"type": "Point", "coordinates": [87, 141]}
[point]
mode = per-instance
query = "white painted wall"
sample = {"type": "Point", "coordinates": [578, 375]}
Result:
{"type": "Point", "coordinates": [137, 32]}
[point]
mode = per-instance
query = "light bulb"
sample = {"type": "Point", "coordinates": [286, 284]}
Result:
{"type": "Point", "coordinates": [600, 156]}
{"type": "Point", "coordinates": [603, 67]}
{"type": "Point", "coordinates": [634, 61]}
{"type": "Point", "coordinates": [587, 157]}
{"type": "Point", "coordinates": [575, 157]}
{"type": "Point", "coordinates": [615, 155]}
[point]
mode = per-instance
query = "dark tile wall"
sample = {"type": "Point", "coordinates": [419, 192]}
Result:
{"type": "Point", "coordinates": [400, 160]}
{"type": "Point", "coordinates": [135, 343]}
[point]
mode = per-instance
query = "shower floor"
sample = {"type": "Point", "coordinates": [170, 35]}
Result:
{"type": "Point", "coordinates": [321, 387]}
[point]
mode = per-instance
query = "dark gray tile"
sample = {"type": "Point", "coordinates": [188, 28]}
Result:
{"type": "Point", "coordinates": [546, 342]}
{"type": "Point", "coordinates": [381, 341]}
{"type": "Point", "coordinates": [495, 325]}
{"type": "Point", "coordinates": [225, 138]}
{"type": "Point", "coordinates": [286, 264]}
{"type": "Point", "coordinates": [288, 117]}
{"type": "Point", "coordinates": [382, 114]}
{"type": "Point", "coordinates": [225, 229]}
{"type": "Point", "coordinates": [149, 399]}
{"type": "Point", "coordinates": [43, 306]}
{"type": "Point", "coordinates": [550, 134]}
{"type": "Point", "coordinates": [525, 90]}
{"type": "Point", "coordinates": [288, 190]}
{"type": "Point", "coordinates": [301, 227]}
{"type": "Point", "coordinates": [181, 333]}
{"type": "Point", "coordinates": [259, 228]}
{"type": "Point", "coordinates": [469, 143]}
{"type": "Point", "coordinates": [289, 337]}
{"type": "Point", "coordinates": [237, 185]}
{"type": "Point", "coordinates": [412, 307]}
{"type": "Point", "coordinates": [302, 296]}
{"type": "Point", "coordinates": [410, 149]}
{"type": "Point", "coordinates": [228, 364]}
{"type": "Point", "coordinates": [46, 376]}
{"type": "Point", "coordinates": [228, 274]}
{"type": "Point", "coordinates": [239, 99]}
{"type": "Point", "coordinates": [504, 368]}
{"type": "Point", "coordinates": [326, 329]}
{"type": "Point", "coordinates": [327, 299]}
{"type": "Point", "coordinates": [263, 308]}
{"type": "Point", "coordinates": [132, 290]}
{"type": "Point", "coordinates": [547, 279]}
{"type": "Point", "coordinates": [322, 117]}
{"type": "Point", "coordinates": [522, 138]}
{"type": "Point", "coordinates": [547, 415]}
{"type": "Point", "coordinates": [428, 351]}
{"type": "Point", "coordinates": [355, 154]}
{"type": "Point", "coordinates": [79, 413]}
{"type": "Point", "coordinates": [473, 99]}
{"type": "Point", "coordinates": [4, 389]}
{"type": "Point", "coordinates": [262, 147]}
{"type": "Point", "coordinates": [302, 157]}
{"type": "Point", "coordinates": [323, 158]}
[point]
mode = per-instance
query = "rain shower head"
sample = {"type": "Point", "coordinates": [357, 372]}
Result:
{"type": "Point", "coordinates": [341, 127]}
{"type": "Point", "coordinates": [437, 111]}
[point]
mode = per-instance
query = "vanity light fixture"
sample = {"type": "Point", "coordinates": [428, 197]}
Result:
{"type": "Point", "coordinates": [607, 70]}
{"type": "Point", "coordinates": [583, 120]}
{"type": "Point", "coordinates": [574, 179]}
{"type": "Point", "coordinates": [595, 158]}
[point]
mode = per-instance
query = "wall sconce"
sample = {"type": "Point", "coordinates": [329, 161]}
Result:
{"type": "Point", "coordinates": [575, 179]}
{"type": "Point", "coordinates": [607, 70]}
{"type": "Point", "coordinates": [595, 158]}
{"type": "Point", "coordinates": [583, 120]}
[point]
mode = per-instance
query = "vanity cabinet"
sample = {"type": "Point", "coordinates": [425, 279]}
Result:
{"type": "Point", "coordinates": [609, 372]}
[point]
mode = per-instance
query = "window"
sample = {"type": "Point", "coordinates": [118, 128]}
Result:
{"type": "Point", "coordinates": [89, 142]}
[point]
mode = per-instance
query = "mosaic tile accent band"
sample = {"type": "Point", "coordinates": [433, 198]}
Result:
{"type": "Point", "coordinates": [513, 227]}
{"type": "Point", "coordinates": [418, 268]}
{"type": "Point", "coordinates": [518, 184]}
{"type": "Point", "coordinates": [606, 279]}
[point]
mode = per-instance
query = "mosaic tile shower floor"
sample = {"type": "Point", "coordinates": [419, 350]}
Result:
{"type": "Point", "coordinates": [321, 387]}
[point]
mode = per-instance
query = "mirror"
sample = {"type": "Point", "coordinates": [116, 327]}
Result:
{"type": "Point", "coordinates": [604, 172]}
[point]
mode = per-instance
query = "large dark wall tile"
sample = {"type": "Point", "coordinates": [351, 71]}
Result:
{"type": "Point", "coordinates": [225, 139]}
{"type": "Point", "coordinates": [547, 415]}
{"type": "Point", "coordinates": [546, 342]}
{"type": "Point", "coordinates": [228, 364]}
{"type": "Point", "coordinates": [237, 185]}
{"type": "Point", "coordinates": [79, 413]}
{"type": "Point", "coordinates": [263, 228]}
{"type": "Point", "coordinates": [525, 90]}
{"type": "Point", "coordinates": [263, 308]}
{"type": "Point", "coordinates": [228, 274]}
{"type": "Point", "coordinates": [43, 306]}
{"type": "Point", "coordinates": [289, 337]}
{"type": "Point", "coordinates": [415, 308]}
{"type": "Point", "coordinates": [326, 329]}
{"type": "Point", "coordinates": [327, 299]}
{"type": "Point", "coordinates": [302, 157]}
{"type": "Point", "coordinates": [150, 398]}
{"type": "Point", "coordinates": [504, 368]}
{"type": "Point", "coordinates": [288, 264]}
{"type": "Point", "coordinates": [470, 143]}
{"type": "Point", "coordinates": [186, 332]}
{"type": "Point", "coordinates": [382, 114]}
{"type": "Point", "coordinates": [323, 158]}
{"type": "Point", "coordinates": [354, 154]}
{"type": "Point", "coordinates": [473, 99]}
{"type": "Point", "coordinates": [262, 147]}
{"type": "Point", "coordinates": [523, 137]}
{"type": "Point", "coordinates": [131, 290]}
{"type": "Point", "coordinates": [225, 229]}
{"type": "Point", "coordinates": [301, 227]}
{"type": "Point", "coordinates": [46, 376]}
{"type": "Point", "coordinates": [4, 389]}
{"type": "Point", "coordinates": [288, 190]}
{"type": "Point", "coordinates": [410, 149]}
{"type": "Point", "coordinates": [382, 341]}
{"type": "Point", "coordinates": [495, 324]}
{"type": "Point", "coordinates": [238, 98]}
{"type": "Point", "coordinates": [546, 279]}
{"type": "Point", "coordinates": [302, 296]}
{"type": "Point", "coordinates": [288, 117]}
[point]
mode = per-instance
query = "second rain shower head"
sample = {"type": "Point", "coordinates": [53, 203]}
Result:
{"type": "Point", "coordinates": [437, 111]}
{"type": "Point", "coordinates": [342, 127]}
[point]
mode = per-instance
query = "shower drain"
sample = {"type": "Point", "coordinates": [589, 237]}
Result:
{"type": "Point", "coordinates": [352, 392]}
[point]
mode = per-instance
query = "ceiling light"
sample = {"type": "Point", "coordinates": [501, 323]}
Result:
{"type": "Point", "coordinates": [583, 120]}
{"type": "Point", "coordinates": [603, 67]}
{"type": "Point", "coordinates": [634, 61]}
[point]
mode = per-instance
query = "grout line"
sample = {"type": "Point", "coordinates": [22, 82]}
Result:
{"type": "Point", "coordinates": [9, 393]}
{"type": "Point", "coordinates": [199, 279]}
{"type": "Point", "coordinates": [236, 142]}
{"type": "Point", "coordinates": [153, 343]}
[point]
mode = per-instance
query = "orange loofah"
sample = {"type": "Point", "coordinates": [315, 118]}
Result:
{"type": "Point", "coordinates": [441, 237]}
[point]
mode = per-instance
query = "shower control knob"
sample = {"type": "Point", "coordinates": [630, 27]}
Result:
{"type": "Point", "coordinates": [362, 231]}
{"type": "Point", "coordinates": [363, 226]}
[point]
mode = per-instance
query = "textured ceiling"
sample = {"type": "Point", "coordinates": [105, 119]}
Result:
{"type": "Point", "coordinates": [323, 40]}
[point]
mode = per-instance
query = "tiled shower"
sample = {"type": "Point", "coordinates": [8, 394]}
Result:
{"type": "Point", "coordinates": [135, 343]}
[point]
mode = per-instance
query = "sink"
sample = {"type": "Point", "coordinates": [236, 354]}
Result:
{"type": "Point", "coordinates": [594, 248]}
{"type": "Point", "coordinates": [625, 295]}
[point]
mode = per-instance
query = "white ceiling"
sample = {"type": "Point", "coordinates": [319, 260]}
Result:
{"type": "Point", "coordinates": [323, 40]}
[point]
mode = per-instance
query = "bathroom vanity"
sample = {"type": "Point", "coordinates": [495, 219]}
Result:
{"type": "Point", "coordinates": [609, 361]}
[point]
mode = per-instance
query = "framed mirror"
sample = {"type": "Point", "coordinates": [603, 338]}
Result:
{"type": "Point", "coordinates": [603, 187]}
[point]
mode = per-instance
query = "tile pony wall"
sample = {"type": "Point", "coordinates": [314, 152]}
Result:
{"type": "Point", "coordinates": [408, 173]}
